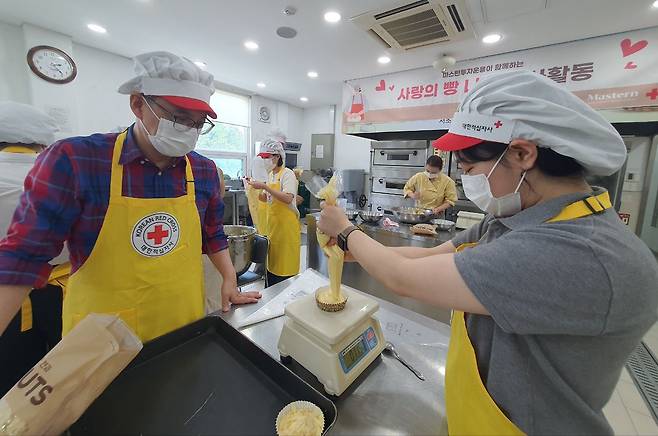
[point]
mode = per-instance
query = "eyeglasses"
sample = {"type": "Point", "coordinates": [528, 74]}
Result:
{"type": "Point", "coordinates": [183, 124]}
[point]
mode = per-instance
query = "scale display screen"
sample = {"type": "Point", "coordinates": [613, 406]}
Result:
{"type": "Point", "coordinates": [357, 350]}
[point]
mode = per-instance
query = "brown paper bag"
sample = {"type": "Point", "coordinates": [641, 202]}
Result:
{"type": "Point", "coordinates": [57, 391]}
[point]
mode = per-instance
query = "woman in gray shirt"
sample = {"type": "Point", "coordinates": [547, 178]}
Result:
{"type": "Point", "coordinates": [550, 292]}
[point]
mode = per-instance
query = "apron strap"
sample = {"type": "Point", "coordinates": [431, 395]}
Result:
{"type": "Point", "coordinates": [116, 177]}
{"type": "Point", "coordinates": [26, 315]}
{"type": "Point", "coordinates": [592, 205]}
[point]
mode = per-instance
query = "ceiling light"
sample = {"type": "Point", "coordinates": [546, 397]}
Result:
{"type": "Point", "coordinates": [492, 38]}
{"type": "Point", "coordinates": [304, 99]}
{"type": "Point", "coordinates": [251, 45]}
{"type": "Point", "coordinates": [260, 85]}
{"type": "Point", "coordinates": [383, 59]}
{"type": "Point", "coordinates": [312, 74]}
{"type": "Point", "coordinates": [96, 28]}
{"type": "Point", "coordinates": [200, 64]}
{"type": "Point", "coordinates": [332, 17]}
{"type": "Point", "coordinates": [655, 4]}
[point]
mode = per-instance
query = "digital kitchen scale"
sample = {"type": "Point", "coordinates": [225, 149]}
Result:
{"type": "Point", "coordinates": [336, 347]}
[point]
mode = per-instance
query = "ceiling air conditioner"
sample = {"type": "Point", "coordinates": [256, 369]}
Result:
{"type": "Point", "coordinates": [418, 24]}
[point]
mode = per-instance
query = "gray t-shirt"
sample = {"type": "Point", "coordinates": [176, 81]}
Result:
{"type": "Point", "coordinates": [569, 301]}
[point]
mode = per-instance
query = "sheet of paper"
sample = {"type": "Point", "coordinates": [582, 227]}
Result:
{"type": "Point", "coordinates": [305, 284]}
{"type": "Point", "coordinates": [396, 327]}
{"type": "Point", "coordinates": [319, 151]}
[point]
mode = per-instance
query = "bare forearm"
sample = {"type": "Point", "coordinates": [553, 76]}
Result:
{"type": "Point", "coordinates": [444, 206]}
{"type": "Point", "coordinates": [419, 252]}
{"type": "Point", "coordinates": [283, 197]}
{"type": "Point", "coordinates": [11, 298]}
{"type": "Point", "coordinates": [431, 279]}
{"type": "Point", "coordinates": [223, 264]}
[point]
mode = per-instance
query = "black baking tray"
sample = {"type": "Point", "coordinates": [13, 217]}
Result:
{"type": "Point", "coordinates": [205, 378]}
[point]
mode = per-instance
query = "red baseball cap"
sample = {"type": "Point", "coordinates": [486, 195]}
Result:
{"type": "Point", "coordinates": [454, 142]}
{"type": "Point", "coordinates": [190, 104]}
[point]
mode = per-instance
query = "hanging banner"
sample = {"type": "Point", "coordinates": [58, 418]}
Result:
{"type": "Point", "coordinates": [608, 72]}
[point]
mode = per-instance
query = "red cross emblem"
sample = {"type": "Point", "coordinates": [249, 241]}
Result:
{"type": "Point", "coordinates": [498, 124]}
{"type": "Point", "coordinates": [157, 235]}
{"type": "Point", "coordinates": [652, 94]}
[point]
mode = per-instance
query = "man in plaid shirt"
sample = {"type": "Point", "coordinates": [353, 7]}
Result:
{"type": "Point", "coordinates": [136, 209]}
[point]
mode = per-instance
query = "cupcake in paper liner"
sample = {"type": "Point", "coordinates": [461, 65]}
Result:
{"type": "Point", "coordinates": [300, 418]}
{"type": "Point", "coordinates": [325, 301]}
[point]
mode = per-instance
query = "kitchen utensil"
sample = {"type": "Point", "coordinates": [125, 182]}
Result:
{"type": "Point", "coordinates": [351, 214]}
{"type": "Point", "coordinates": [412, 215]}
{"type": "Point", "coordinates": [444, 224]}
{"type": "Point", "coordinates": [336, 347]}
{"type": "Point", "coordinates": [240, 244]}
{"type": "Point", "coordinates": [390, 348]}
{"type": "Point", "coordinates": [371, 216]}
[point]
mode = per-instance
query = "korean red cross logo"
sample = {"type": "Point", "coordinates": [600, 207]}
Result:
{"type": "Point", "coordinates": [155, 235]}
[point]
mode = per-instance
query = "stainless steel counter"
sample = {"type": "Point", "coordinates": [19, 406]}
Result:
{"type": "Point", "coordinates": [389, 399]}
{"type": "Point", "coordinates": [355, 276]}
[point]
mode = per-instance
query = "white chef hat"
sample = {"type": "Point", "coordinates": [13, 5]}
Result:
{"type": "Point", "coordinates": [277, 135]}
{"type": "Point", "coordinates": [525, 105]}
{"type": "Point", "coordinates": [174, 78]}
{"type": "Point", "coordinates": [25, 124]}
{"type": "Point", "coordinates": [271, 147]}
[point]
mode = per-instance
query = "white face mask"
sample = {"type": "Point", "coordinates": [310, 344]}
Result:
{"type": "Point", "coordinates": [431, 176]}
{"type": "Point", "coordinates": [270, 164]}
{"type": "Point", "coordinates": [168, 140]}
{"type": "Point", "coordinates": [478, 190]}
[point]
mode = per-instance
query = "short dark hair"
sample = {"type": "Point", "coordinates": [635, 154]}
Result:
{"type": "Point", "coordinates": [279, 162]}
{"type": "Point", "coordinates": [435, 161]}
{"type": "Point", "coordinates": [549, 161]}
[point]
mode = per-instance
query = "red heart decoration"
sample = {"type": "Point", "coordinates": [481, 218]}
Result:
{"type": "Point", "coordinates": [381, 86]}
{"type": "Point", "coordinates": [628, 48]}
{"type": "Point", "coordinates": [631, 65]}
{"type": "Point", "coordinates": [391, 87]}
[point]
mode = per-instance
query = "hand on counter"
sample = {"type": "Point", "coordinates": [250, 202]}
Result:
{"type": "Point", "coordinates": [231, 295]}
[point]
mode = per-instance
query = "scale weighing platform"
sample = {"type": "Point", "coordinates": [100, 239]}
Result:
{"type": "Point", "coordinates": [336, 347]}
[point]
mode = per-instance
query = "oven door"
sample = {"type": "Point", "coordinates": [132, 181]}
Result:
{"type": "Point", "coordinates": [291, 160]}
{"type": "Point", "coordinates": [386, 185]}
{"type": "Point", "coordinates": [401, 157]}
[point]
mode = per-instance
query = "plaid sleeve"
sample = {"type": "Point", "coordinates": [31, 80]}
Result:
{"type": "Point", "coordinates": [45, 214]}
{"type": "Point", "coordinates": [214, 239]}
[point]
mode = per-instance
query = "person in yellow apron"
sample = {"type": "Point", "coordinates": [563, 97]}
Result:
{"type": "Point", "coordinates": [25, 132]}
{"type": "Point", "coordinates": [283, 226]}
{"type": "Point", "coordinates": [431, 188]}
{"type": "Point", "coordinates": [550, 292]}
{"type": "Point", "coordinates": [137, 210]}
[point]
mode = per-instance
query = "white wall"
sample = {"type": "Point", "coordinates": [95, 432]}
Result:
{"type": "Point", "coordinates": [317, 120]}
{"type": "Point", "coordinates": [13, 77]}
{"type": "Point", "coordinates": [351, 152]}
{"type": "Point", "coordinates": [101, 107]}
{"type": "Point", "coordinates": [87, 105]}
{"type": "Point", "coordinates": [288, 118]}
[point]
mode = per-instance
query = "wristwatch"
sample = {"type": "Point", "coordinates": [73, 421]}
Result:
{"type": "Point", "coordinates": [342, 237]}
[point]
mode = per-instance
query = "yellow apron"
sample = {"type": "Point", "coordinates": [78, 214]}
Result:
{"type": "Point", "coordinates": [60, 273]}
{"type": "Point", "coordinates": [284, 232]}
{"type": "Point", "coordinates": [262, 218]}
{"type": "Point", "coordinates": [469, 407]}
{"type": "Point", "coordinates": [146, 264]}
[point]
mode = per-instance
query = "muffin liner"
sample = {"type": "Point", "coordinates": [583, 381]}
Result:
{"type": "Point", "coordinates": [297, 405]}
{"type": "Point", "coordinates": [330, 307]}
